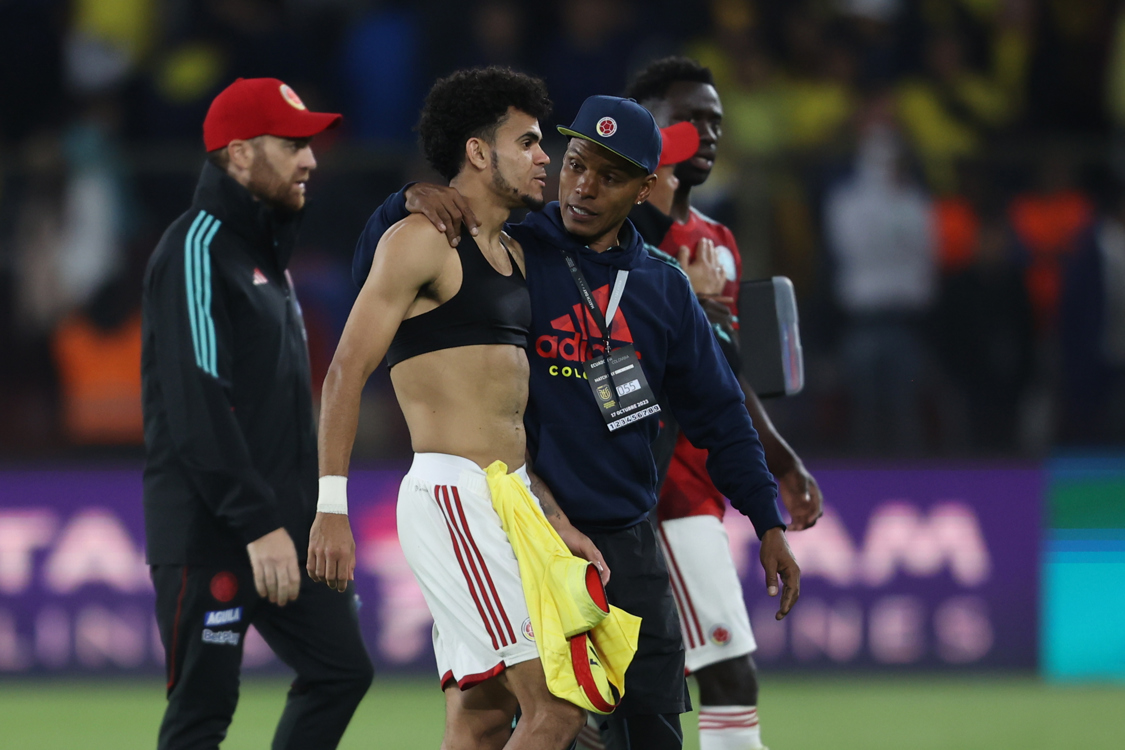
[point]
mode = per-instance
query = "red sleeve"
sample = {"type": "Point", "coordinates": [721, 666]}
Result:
{"type": "Point", "coordinates": [725, 238]}
{"type": "Point", "coordinates": [728, 239]}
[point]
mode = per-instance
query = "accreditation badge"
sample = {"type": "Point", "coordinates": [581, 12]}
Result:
{"type": "Point", "coordinates": [620, 388]}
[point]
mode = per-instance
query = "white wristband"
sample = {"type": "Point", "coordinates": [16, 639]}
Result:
{"type": "Point", "coordinates": [333, 495]}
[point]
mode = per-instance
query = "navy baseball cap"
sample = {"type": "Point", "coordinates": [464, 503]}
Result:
{"type": "Point", "coordinates": [621, 126]}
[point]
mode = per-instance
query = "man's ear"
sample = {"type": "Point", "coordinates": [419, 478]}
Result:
{"type": "Point", "coordinates": [478, 153]}
{"type": "Point", "coordinates": [241, 154]}
{"type": "Point", "coordinates": [646, 189]}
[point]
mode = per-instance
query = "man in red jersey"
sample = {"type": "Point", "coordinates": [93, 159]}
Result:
{"type": "Point", "coordinates": [717, 634]}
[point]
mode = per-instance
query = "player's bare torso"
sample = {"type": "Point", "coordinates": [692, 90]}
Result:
{"type": "Point", "coordinates": [466, 401]}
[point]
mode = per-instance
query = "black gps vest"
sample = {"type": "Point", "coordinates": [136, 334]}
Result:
{"type": "Point", "coordinates": [489, 308]}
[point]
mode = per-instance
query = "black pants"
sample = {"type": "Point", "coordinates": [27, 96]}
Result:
{"type": "Point", "coordinates": [203, 614]}
{"type": "Point", "coordinates": [638, 732]}
{"type": "Point", "coordinates": [655, 688]}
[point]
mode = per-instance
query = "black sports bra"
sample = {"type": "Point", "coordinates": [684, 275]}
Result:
{"type": "Point", "coordinates": [489, 308]}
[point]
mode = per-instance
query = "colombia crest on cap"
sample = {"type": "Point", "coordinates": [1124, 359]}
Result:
{"type": "Point", "coordinates": [251, 107]}
{"type": "Point", "coordinates": [291, 97]}
{"type": "Point", "coordinates": [620, 126]}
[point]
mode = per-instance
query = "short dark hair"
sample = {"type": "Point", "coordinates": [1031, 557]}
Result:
{"type": "Point", "coordinates": [654, 81]}
{"type": "Point", "coordinates": [472, 104]}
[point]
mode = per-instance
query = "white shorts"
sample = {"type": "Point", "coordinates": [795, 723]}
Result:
{"type": "Point", "coordinates": [458, 551]}
{"type": "Point", "coordinates": [707, 591]}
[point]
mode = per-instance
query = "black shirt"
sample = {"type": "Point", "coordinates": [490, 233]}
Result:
{"type": "Point", "coordinates": [489, 308]}
{"type": "Point", "coordinates": [229, 434]}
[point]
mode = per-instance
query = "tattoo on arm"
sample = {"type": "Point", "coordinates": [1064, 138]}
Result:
{"type": "Point", "coordinates": [546, 499]}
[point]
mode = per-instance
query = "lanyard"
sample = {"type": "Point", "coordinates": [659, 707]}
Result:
{"type": "Point", "coordinates": [603, 322]}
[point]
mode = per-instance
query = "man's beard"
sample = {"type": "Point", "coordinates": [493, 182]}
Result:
{"type": "Point", "coordinates": [267, 184]}
{"type": "Point", "coordinates": [502, 186]}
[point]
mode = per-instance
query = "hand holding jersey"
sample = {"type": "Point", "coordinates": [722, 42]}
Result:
{"type": "Point", "coordinates": [578, 543]}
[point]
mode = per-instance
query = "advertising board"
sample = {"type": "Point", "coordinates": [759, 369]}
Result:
{"type": "Point", "coordinates": [928, 568]}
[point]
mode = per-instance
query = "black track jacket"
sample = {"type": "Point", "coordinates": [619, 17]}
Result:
{"type": "Point", "coordinates": [229, 435]}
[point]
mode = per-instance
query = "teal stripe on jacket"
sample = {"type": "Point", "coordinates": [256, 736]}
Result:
{"type": "Point", "coordinates": [189, 275]}
{"type": "Point", "coordinates": [197, 270]}
{"type": "Point", "coordinates": [210, 358]}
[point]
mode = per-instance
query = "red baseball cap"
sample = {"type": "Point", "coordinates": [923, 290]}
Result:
{"type": "Point", "coordinates": [251, 107]}
{"type": "Point", "coordinates": [681, 141]}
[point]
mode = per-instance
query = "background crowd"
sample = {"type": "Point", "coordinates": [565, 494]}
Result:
{"type": "Point", "coordinates": [943, 181]}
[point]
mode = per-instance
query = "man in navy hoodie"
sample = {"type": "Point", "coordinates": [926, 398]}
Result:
{"type": "Point", "coordinates": [588, 271]}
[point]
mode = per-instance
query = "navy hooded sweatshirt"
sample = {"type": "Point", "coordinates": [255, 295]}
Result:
{"type": "Point", "coordinates": [602, 480]}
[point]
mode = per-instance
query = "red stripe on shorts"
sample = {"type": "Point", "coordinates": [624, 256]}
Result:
{"type": "Point", "coordinates": [472, 680]}
{"type": "Point", "coordinates": [687, 596]}
{"type": "Point", "coordinates": [474, 558]}
{"type": "Point", "coordinates": [464, 570]}
{"type": "Point", "coordinates": [487, 575]}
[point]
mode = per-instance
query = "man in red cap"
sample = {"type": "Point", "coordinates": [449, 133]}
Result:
{"type": "Point", "coordinates": [230, 482]}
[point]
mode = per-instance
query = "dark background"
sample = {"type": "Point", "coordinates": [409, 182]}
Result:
{"type": "Point", "coordinates": [941, 179]}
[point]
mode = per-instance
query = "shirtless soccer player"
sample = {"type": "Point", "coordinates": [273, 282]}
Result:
{"type": "Point", "coordinates": [452, 325]}
{"type": "Point", "coordinates": [596, 288]}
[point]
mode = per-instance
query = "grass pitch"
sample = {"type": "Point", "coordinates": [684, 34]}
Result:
{"type": "Point", "coordinates": [819, 713]}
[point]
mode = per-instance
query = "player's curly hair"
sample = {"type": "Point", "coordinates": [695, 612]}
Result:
{"type": "Point", "coordinates": [473, 103]}
{"type": "Point", "coordinates": [654, 81]}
